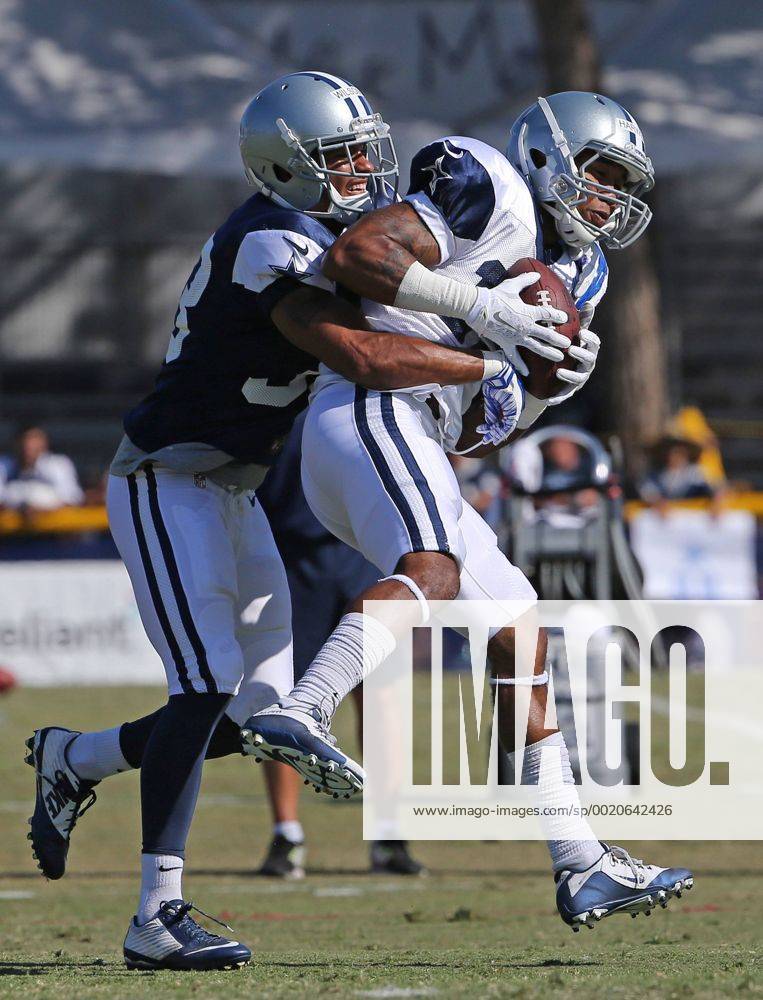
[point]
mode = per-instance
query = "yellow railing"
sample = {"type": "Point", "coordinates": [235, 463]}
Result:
{"type": "Point", "coordinates": [749, 500]}
{"type": "Point", "coordinates": [70, 520]}
{"type": "Point", "coordinates": [67, 520]}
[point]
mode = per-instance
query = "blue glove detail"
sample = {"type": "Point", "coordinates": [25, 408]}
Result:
{"type": "Point", "coordinates": [503, 396]}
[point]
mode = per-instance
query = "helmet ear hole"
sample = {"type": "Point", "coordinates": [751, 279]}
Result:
{"type": "Point", "coordinates": [538, 157]}
{"type": "Point", "coordinates": [281, 174]}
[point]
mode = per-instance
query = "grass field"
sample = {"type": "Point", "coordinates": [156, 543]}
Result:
{"type": "Point", "coordinates": [483, 924]}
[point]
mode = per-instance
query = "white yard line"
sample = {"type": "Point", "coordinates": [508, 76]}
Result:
{"type": "Point", "coordinates": [400, 991]}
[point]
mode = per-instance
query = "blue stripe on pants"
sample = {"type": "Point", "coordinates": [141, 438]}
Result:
{"type": "Point", "coordinates": [388, 416]}
{"type": "Point", "coordinates": [384, 471]}
{"type": "Point", "coordinates": [153, 587]}
{"type": "Point", "coordinates": [177, 586]}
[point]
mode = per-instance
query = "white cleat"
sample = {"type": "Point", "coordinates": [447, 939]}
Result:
{"type": "Point", "coordinates": [299, 738]}
{"type": "Point", "coordinates": [61, 798]}
{"type": "Point", "coordinates": [617, 883]}
{"type": "Point", "coordinates": [173, 940]}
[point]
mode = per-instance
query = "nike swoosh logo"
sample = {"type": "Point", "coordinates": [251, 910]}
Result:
{"type": "Point", "coordinates": [177, 868]}
{"type": "Point", "coordinates": [293, 243]}
{"type": "Point", "coordinates": [211, 947]}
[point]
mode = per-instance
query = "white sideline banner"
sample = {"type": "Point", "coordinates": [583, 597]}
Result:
{"type": "Point", "coordinates": [73, 622]}
{"type": "Point", "coordinates": [693, 555]}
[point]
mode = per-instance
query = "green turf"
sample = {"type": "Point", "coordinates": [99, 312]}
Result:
{"type": "Point", "coordinates": [482, 924]}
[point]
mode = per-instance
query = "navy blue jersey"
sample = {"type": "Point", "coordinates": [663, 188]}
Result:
{"type": "Point", "coordinates": [230, 380]}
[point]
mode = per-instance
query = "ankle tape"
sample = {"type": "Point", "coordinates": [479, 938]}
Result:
{"type": "Point", "coordinates": [535, 681]}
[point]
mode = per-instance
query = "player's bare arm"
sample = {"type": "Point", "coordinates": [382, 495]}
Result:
{"type": "Point", "coordinates": [337, 334]}
{"type": "Point", "coordinates": [373, 256]}
{"type": "Point", "coordinates": [387, 256]}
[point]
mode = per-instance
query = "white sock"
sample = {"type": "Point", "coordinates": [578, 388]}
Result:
{"type": "Point", "coordinates": [291, 829]}
{"type": "Point", "coordinates": [161, 877]}
{"type": "Point", "coordinates": [354, 649]}
{"type": "Point", "coordinates": [571, 842]}
{"type": "Point", "coordinates": [386, 829]}
{"type": "Point", "coordinates": [97, 755]}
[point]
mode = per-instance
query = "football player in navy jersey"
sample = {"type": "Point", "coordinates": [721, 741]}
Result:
{"type": "Point", "coordinates": [254, 320]}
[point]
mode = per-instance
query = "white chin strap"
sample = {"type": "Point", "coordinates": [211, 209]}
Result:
{"type": "Point", "coordinates": [572, 232]}
{"type": "Point", "coordinates": [347, 208]}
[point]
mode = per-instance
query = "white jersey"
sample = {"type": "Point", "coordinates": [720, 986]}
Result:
{"type": "Point", "coordinates": [484, 218]}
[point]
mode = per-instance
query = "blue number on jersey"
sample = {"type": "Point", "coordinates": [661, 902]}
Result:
{"type": "Point", "coordinates": [230, 379]}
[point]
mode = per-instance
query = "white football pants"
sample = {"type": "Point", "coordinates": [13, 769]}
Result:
{"type": "Point", "coordinates": [209, 583]}
{"type": "Point", "coordinates": [375, 475]}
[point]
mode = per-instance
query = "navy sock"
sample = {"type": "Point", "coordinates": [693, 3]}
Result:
{"type": "Point", "coordinates": [226, 739]}
{"type": "Point", "coordinates": [134, 736]}
{"type": "Point", "coordinates": [171, 769]}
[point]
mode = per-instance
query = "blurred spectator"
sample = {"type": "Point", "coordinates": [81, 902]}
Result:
{"type": "Point", "coordinates": [560, 471]}
{"type": "Point", "coordinates": [676, 473]}
{"type": "Point", "coordinates": [568, 469]}
{"type": "Point", "coordinates": [33, 478]}
{"type": "Point", "coordinates": [690, 424]}
{"type": "Point", "coordinates": [95, 490]}
{"type": "Point", "coordinates": [481, 486]}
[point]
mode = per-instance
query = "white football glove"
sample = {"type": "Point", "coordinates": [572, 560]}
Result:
{"type": "Point", "coordinates": [576, 378]}
{"type": "Point", "coordinates": [501, 317]}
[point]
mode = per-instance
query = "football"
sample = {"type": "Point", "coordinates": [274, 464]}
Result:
{"type": "Point", "coordinates": [541, 381]}
{"type": "Point", "coordinates": [548, 290]}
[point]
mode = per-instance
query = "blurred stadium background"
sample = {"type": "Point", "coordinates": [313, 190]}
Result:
{"type": "Point", "coordinates": [118, 157]}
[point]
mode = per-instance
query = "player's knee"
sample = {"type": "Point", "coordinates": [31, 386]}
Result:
{"type": "Point", "coordinates": [435, 573]}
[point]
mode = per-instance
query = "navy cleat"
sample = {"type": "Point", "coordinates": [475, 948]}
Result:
{"type": "Point", "coordinates": [285, 859]}
{"type": "Point", "coordinates": [294, 736]}
{"type": "Point", "coordinates": [392, 857]}
{"type": "Point", "coordinates": [62, 797]}
{"type": "Point", "coordinates": [173, 940]}
{"type": "Point", "coordinates": [617, 883]}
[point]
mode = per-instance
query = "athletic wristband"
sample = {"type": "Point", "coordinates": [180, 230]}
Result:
{"type": "Point", "coordinates": [530, 411]}
{"type": "Point", "coordinates": [494, 363]}
{"type": "Point", "coordinates": [422, 290]}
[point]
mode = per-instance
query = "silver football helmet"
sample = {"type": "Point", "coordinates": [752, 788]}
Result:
{"type": "Point", "coordinates": [544, 143]}
{"type": "Point", "coordinates": [290, 126]}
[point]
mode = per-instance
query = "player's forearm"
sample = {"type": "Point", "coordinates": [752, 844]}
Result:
{"type": "Point", "coordinates": [385, 361]}
{"type": "Point", "coordinates": [372, 257]}
{"type": "Point", "coordinates": [391, 361]}
{"type": "Point", "coordinates": [336, 333]}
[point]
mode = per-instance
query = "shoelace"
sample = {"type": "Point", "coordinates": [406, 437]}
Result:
{"type": "Point", "coordinates": [636, 865]}
{"type": "Point", "coordinates": [178, 914]}
{"type": "Point", "coordinates": [323, 719]}
{"type": "Point", "coordinates": [63, 787]}
{"type": "Point", "coordinates": [319, 714]}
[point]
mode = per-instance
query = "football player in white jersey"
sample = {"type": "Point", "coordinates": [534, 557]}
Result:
{"type": "Point", "coordinates": [252, 323]}
{"type": "Point", "coordinates": [375, 470]}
